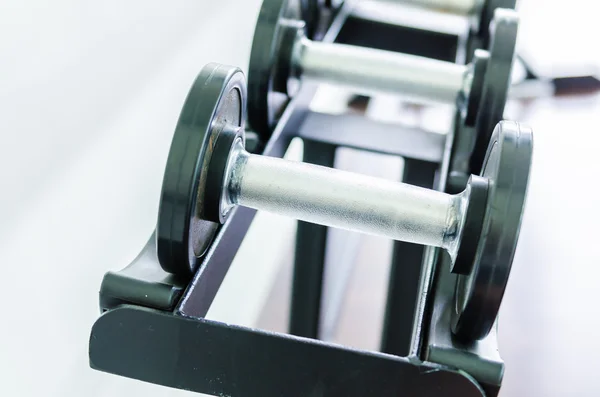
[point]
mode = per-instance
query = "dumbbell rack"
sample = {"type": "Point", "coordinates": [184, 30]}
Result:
{"type": "Point", "coordinates": [153, 326]}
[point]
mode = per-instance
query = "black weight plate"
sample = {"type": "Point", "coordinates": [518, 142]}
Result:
{"type": "Point", "coordinates": [488, 10]}
{"type": "Point", "coordinates": [479, 37]}
{"type": "Point", "coordinates": [496, 82]}
{"type": "Point", "coordinates": [262, 101]}
{"type": "Point", "coordinates": [478, 295]}
{"type": "Point", "coordinates": [479, 67]}
{"type": "Point", "coordinates": [183, 235]}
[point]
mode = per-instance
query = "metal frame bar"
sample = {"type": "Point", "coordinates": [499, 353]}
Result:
{"type": "Point", "coordinates": [206, 356]}
{"type": "Point", "coordinates": [309, 258]}
{"type": "Point", "coordinates": [405, 273]}
{"type": "Point", "coordinates": [358, 132]}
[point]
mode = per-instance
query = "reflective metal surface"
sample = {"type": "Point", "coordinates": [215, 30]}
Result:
{"type": "Point", "coordinates": [462, 7]}
{"type": "Point", "coordinates": [341, 199]}
{"type": "Point", "coordinates": [375, 70]}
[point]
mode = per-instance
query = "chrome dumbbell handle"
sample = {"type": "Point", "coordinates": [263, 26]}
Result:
{"type": "Point", "coordinates": [341, 199]}
{"type": "Point", "coordinates": [460, 7]}
{"type": "Point", "coordinates": [378, 70]}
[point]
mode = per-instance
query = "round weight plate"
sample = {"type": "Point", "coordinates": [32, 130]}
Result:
{"type": "Point", "coordinates": [216, 98]}
{"type": "Point", "coordinates": [479, 294]}
{"type": "Point", "coordinates": [479, 37]}
{"type": "Point", "coordinates": [262, 101]}
{"type": "Point", "coordinates": [487, 13]}
{"type": "Point", "coordinates": [496, 83]}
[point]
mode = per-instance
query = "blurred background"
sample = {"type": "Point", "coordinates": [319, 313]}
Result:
{"type": "Point", "coordinates": [89, 94]}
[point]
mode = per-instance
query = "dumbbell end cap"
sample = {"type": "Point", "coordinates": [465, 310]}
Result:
{"type": "Point", "coordinates": [472, 228]}
{"type": "Point", "coordinates": [215, 208]}
{"type": "Point", "coordinates": [183, 232]}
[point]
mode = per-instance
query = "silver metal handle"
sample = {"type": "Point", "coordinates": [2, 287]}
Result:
{"type": "Point", "coordinates": [344, 200]}
{"type": "Point", "coordinates": [379, 70]}
{"type": "Point", "coordinates": [460, 7]}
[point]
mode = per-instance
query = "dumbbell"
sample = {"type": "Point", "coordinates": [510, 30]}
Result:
{"type": "Point", "coordinates": [458, 7]}
{"type": "Point", "coordinates": [209, 173]}
{"type": "Point", "coordinates": [479, 12]}
{"type": "Point", "coordinates": [282, 55]}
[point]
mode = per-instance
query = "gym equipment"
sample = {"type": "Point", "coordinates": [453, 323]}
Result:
{"type": "Point", "coordinates": [318, 13]}
{"type": "Point", "coordinates": [459, 7]}
{"type": "Point", "coordinates": [480, 89]}
{"type": "Point", "coordinates": [153, 327]}
{"type": "Point", "coordinates": [478, 227]}
{"type": "Point", "coordinates": [481, 11]}
{"type": "Point", "coordinates": [182, 238]}
{"type": "Point", "coordinates": [533, 85]}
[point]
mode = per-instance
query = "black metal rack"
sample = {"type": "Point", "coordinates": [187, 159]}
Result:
{"type": "Point", "coordinates": [153, 326]}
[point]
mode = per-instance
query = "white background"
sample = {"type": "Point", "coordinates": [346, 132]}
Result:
{"type": "Point", "coordinates": [89, 94]}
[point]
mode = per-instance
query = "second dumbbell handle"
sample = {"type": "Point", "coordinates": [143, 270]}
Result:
{"type": "Point", "coordinates": [461, 7]}
{"type": "Point", "coordinates": [379, 70]}
{"type": "Point", "coordinates": [344, 200]}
